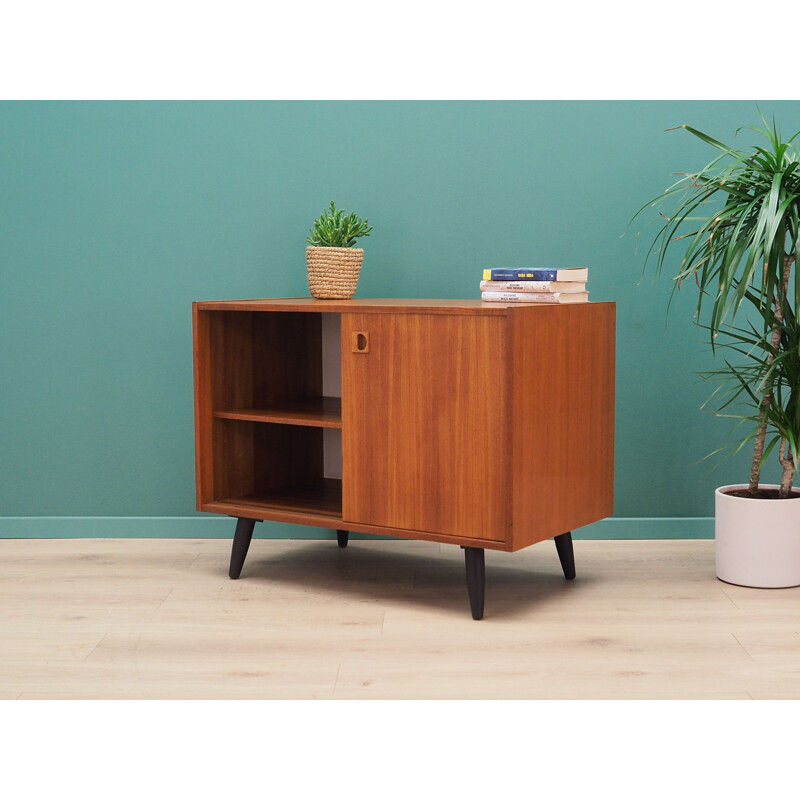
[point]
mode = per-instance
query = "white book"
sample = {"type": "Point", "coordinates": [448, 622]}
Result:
{"type": "Point", "coordinates": [533, 286]}
{"type": "Point", "coordinates": [535, 297]}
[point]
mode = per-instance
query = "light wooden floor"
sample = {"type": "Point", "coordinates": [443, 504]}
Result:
{"type": "Point", "coordinates": [124, 618]}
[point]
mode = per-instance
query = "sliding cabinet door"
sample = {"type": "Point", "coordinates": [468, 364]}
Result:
{"type": "Point", "coordinates": [425, 424]}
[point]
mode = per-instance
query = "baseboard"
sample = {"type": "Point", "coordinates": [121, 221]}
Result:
{"type": "Point", "coordinates": [214, 527]}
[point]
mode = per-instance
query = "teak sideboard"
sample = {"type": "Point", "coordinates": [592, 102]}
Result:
{"type": "Point", "coordinates": [483, 425]}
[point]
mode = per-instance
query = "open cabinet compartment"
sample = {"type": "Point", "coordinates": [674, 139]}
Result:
{"type": "Point", "coordinates": [268, 465]}
{"type": "Point", "coordinates": [272, 414]}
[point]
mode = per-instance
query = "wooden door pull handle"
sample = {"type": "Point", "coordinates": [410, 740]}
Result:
{"type": "Point", "coordinates": [360, 341]}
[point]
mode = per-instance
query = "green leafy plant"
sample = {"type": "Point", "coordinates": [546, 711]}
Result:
{"type": "Point", "coordinates": [737, 222]}
{"type": "Point", "coordinates": [336, 228]}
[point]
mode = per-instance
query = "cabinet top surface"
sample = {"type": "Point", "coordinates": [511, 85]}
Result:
{"type": "Point", "coordinates": [366, 304]}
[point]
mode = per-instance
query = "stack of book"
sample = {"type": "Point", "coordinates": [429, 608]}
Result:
{"type": "Point", "coordinates": [535, 285]}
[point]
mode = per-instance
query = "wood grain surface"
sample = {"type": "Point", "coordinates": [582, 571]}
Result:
{"type": "Point", "coordinates": [419, 450]}
{"type": "Point", "coordinates": [366, 306]}
{"type": "Point", "coordinates": [563, 418]}
{"type": "Point", "coordinates": [461, 422]}
{"type": "Point", "coordinates": [159, 619]}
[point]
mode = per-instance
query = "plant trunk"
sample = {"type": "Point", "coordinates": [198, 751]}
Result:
{"type": "Point", "coordinates": [758, 451]}
{"type": "Point", "coordinates": [788, 471]}
{"type": "Point", "coordinates": [766, 401]}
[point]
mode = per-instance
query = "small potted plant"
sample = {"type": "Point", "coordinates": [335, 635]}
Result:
{"type": "Point", "coordinates": [737, 224]}
{"type": "Point", "coordinates": [334, 264]}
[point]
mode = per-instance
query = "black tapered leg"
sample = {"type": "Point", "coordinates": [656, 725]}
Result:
{"type": "Point", "coordinates": [342, 536]}
{"type": "Point", "coordinates": [566, 554]}
{"type": "Point", "coordinates": [241, 543]}
{"type": "Point", "coordinates": [476, 579]}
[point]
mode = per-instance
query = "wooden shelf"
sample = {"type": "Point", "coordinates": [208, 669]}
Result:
{"type": "Point", "coordinates": [318, 412]}
{"type": "Point", "coordinates": [323, 498]}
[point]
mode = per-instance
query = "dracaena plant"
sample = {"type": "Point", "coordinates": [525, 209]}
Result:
{"type": "Point", "coordinates": [336, 228]}
{"type": "Point", "coordinates": [736, 222]}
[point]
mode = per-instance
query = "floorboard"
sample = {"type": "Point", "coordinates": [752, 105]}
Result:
{"type": "Point", "coordinates": [160, 619]}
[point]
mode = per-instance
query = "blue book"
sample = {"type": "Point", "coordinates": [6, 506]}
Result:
{"type": "Point", "coordinates": [536, 274]}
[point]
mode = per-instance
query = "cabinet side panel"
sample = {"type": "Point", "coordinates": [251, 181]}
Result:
{"type": "Point", "coordinates": [203, 425]}
{"type": "Point", "coordinates": [563, 419]}
{"type": "Point", "coordinates": [423, 422]}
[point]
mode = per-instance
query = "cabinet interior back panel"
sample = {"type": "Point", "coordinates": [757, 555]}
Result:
{"type": "Point", "coordinates": [332, 387]}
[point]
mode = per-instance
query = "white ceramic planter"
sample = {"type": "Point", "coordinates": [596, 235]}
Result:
{"type": "Point", "coordinates": [757, 541]}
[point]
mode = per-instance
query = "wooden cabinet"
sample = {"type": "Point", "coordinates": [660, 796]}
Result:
{"type": "Point", "coordinates": [478, 424]}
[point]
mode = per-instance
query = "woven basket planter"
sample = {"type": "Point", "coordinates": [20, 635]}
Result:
{"type": "Point", "coordinates": [333, 271]}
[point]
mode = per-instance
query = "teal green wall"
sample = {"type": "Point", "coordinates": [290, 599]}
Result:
{"type": "Point", "coordinates": [115, 216]}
